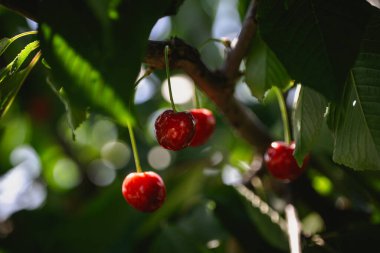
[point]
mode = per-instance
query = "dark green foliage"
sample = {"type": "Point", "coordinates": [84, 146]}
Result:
{"type": "Point", "coordinates": [316, 40]}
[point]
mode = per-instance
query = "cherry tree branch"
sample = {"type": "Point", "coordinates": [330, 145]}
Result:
{"type": "Point", "coordinates": [217, 85]}
{"type": "Point", "coordinates": [214, 84]}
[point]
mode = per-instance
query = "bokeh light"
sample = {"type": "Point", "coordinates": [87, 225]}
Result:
{"type": "Point", "coordinates": [312, 224]}
{"type": "Point", "coordinates": [231, 175]}
{"type": "Point", "coordinates": [159, 158]}
{"type": "Point", "coordinates": [161, 30]}
{"type": "Point", "coordinates": [101, 172]}
{"type": "Point", "coordinates": [227, 20]}
{"type": "Point", "coordinates": [66, 174]}
{"type": "Point", "coordinates": [216, 158]}
{"type": "Point", "coordinates": [27, 154]}
{"type": "Point", "coordinates": [117, 153]}
{"type": "Point", "coordinates": [145, 90]}
{"type": "Point", "coordinates": [19, 187]}
{"type": "Point", "coordinates": [103, 132]}
{"type": "Point", "coordinates": [213, 244]}
{"type": "Point", "coordinates": [182, 87]}
{"type": "Point", "coordinates": [243, 94]}
{"type": "Point", "coordinates": [322, 184]}
{"type": "Point", "coordinates": [32, 24]}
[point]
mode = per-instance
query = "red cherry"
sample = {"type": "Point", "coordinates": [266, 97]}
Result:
{"type": "Point", "coordinates": [281, 163]}
{"type": "Point", "coordinates": [204, 126]}
{"type": "Point", "coordinates": [174, 130]}
{"type": "Point", "coordinates": [145, 191]}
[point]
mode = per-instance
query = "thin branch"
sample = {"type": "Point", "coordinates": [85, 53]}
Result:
{"type": "Point", "coordinates": [248, 31]}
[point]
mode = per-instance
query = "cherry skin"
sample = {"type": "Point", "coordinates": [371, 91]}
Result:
{"type": "Point", "coordinates": [280, 161]}
{"type": "Point", "coordinates": [204, 126]}
{"type": "Point", "coordinates": [144, 191]}
{"type": "Point", "coordinates": [174, 130]}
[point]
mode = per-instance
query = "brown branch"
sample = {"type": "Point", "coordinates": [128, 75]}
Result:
{"type": "Point", "coordinates": [236, 55]}
{"type": "Point", "coordinates": [218, 85]}
{"type": "Point", "coordinates": [215, 85]}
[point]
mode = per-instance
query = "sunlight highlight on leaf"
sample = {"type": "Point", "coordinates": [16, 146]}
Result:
{"type": "Point", "coordinates": [308, 117]}
{"type": "Point", "coordinates": [83, 78]}
{"type": "Point", "coordinates": [12, 78]}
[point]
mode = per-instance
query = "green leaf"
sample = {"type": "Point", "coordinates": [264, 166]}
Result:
{"type": "Point", "coordinates": [357, 118]}
{"type": "Point", "coordinates": [12, 76]}
{"type": "Point", "coordinates": [82, 79]}
{"type": "Point", "coordinates": [96, 53]}
{"type": "Point", "coordinates": [308, 119]}
{"type": "Point", "coordinates": [357, 136]}
{"type": "Point", "coordinates": [76, 115]}
{"type": "Point", "coordinates": [317, 41]}
{"type": "Point", "coordinates": [6, 42]}
{"type": "Point", "coordinates": [264, 70]}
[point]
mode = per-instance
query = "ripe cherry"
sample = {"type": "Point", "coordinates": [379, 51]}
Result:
{"type": "Point", "coordinates": [280, 161]}
{"type": "Point", "coordinates": [145, 191]}
{"type": "Point", "coordinates": [174, 130]}
{"type": "Point", "coordinates": [204, 126]}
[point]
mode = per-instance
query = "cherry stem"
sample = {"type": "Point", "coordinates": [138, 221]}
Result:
{"type": "Point", "coordinates": [168, 77]}
{"type": "Point", "coordinates": [146, 74]}
{"type": "Point", "coordinates": [134, 147]}
{"type": "Point", "coordinates": [197, 101]}
{"type": "Point", "coordinates": [284, 114]}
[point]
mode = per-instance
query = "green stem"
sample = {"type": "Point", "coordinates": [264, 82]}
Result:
{"type": "Point", "coordinates": [146, 74]}
{"type": "Point", "coordinates": [168, 77]}
{"type": "Point", "coordinates": [197, 102]}
{"type": "Point", "coordinates": [134, 147]}
{"type": "Point", "coordinates": [284, 114]}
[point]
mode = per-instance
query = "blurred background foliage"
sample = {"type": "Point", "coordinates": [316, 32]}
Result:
{"type": "Point", "coordinates": [61, 195]}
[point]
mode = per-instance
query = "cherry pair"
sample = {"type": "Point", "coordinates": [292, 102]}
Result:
{"type": "Point", "coordinates": [178, 130]}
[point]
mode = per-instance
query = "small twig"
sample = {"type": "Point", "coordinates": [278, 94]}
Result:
{"type": "Point", "coordinates": [236, 54]}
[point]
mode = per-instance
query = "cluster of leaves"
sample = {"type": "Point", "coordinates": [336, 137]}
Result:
{"type": "Point", "coordinates": [337, 65]}
{"type": "Point", "coordinates": [333, 50]}
{"type": "Point", "coordinates": [94, 56]}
